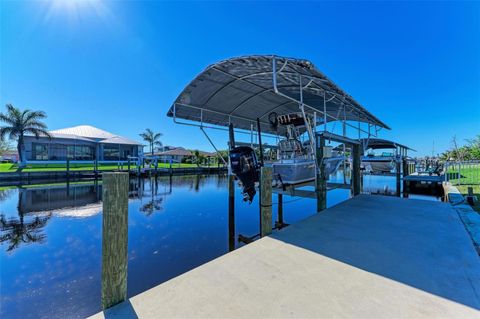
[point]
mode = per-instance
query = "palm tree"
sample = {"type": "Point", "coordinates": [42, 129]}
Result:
{"type": "Point", "coordinates": [16, 231]}
{"type": "Point", "coordinates": [151, 137]}
{"type": "Point", "coordinates": [18, 123]}
{"type": "Point", "coordinates": [159, 145]}
{"type": "Point", "coordinates": [197, 157]}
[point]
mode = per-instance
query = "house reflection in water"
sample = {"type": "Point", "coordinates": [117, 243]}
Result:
{"type": "Point", "coordinates": [38, 204]}
{"type": "Point", "coordinates": [84, 199]}
{"type": "Point", "coordinates": [71, 200]}
{"type": "Point", "coordinates": [78, 200]}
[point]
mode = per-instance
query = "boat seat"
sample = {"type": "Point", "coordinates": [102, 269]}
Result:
{"type": "Point", "coordinates": [290, 146]}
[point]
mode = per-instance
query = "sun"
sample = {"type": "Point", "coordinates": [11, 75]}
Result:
{"type": "Point", "coordinates": [72, 5]}
{"type": "Point", "coordinates": [75, 9]}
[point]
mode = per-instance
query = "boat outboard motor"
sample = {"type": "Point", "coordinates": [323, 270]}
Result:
{"type": "Point", "coordinates": [244, 165]}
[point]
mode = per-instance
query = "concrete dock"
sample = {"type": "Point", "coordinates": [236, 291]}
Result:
{"type": "Point", "coordinates": [368, 257]}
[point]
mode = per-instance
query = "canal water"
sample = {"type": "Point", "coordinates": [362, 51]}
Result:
{"type": "Point", "coordinates": [50, 253]}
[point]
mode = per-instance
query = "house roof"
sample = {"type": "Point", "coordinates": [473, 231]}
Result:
{"type": "Point", "coordinates": [119, 140]}
{"type": "Point", "coordinates": [85, 131]}
{"type": "Point", "coordinates": [92, 134]}
{"type": "Point", "coordinates": [180, 151]}
{"type": "Point", "coordinates": [72, 136]}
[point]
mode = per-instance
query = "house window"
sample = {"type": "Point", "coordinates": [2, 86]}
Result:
{"type": "Point", "coordinates": [111, 152]}
{"type": "Point", "coordinates": [80, 152]}
{"type": "Point", "coordinates": [41, 152]}
{"type": "Point", "coordinates": [71, 152]}
{"type": "Point", "coordinates": [83, 152]}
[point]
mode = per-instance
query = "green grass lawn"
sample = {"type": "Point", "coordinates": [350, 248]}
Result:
{"type": "Point", "coordinates": [476, 192]}
{"type": "Point", "coordinates": [469, 175]}
{"type": "Point", "coordinates": [9, 167]}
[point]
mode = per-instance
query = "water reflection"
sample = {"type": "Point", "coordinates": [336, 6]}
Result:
{"type": "Point", "coordinates": [50, 253]}
{"type": "Point", "coordinates": [14, 232]}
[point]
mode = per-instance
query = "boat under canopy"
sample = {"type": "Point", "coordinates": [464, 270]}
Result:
{"type": "Point", "coordinates": [378, 143]}
{"type": "Point", "coordinates": [278, 96]}
{"type": "Point", "coordinates": [242, 89]}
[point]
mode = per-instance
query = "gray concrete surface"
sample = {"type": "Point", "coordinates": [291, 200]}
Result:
{"type": "Point", "coordinates": [368, 257]}
{"type": "Point", "coordinates": [469, 217]}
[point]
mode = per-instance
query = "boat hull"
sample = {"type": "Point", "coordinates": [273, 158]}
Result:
{"type": "Point", "coordinates": [294, 172]}
{"type": "Point", "coordinates": [378, 165]}
{"type": "Point", "coordinates": [301, 171]}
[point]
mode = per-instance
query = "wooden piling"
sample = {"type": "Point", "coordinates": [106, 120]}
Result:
{"type": "Point", "coordinates": [114, 238]}
{"type": "Point", "coordinates": [321, 181]}
{"type": "Point", "coordinates": [280, 210]}
{"type": "Point", "coordinates": [68, 168]}
{"type": "Point", "coordinates": [398, 177]}
{"type": "Point", "coordinates": [405, 172]}
{"type": "Point", "coordinates": [231, 212]}
{"type": "Point", "coordinates": [265, 201]}
{"type": "Point", "coordinates": [356, 159]}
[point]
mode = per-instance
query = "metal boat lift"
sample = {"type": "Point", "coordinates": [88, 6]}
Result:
{"type": "Point", "coordinates": [244, 91]}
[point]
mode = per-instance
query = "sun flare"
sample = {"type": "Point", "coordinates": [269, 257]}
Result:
{"type": "Point", "coordinates": [76, 9]}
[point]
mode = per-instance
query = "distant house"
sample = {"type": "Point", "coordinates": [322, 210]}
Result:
{"type": "Point", "coordinates": [80, 143]}
{"type": "Point", "coordinates": [9, 156]}
{"type": "Point", "coordinates": [177, 154]}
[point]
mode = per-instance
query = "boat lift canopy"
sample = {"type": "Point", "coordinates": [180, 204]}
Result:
{"type": "Point", "coordinates": [378, 143]}
{"type": "Point", "coordinates": [240, 90]}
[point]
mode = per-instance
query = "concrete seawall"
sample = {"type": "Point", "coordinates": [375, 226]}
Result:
{"type": "Point", "coordinates": [26, 177]}
{"type": "Point", "coordinates": [369, 257]}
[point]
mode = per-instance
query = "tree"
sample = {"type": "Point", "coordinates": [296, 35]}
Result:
{"type": "Point", "coordinates": [459, 151]}
{"type": "Point", "coordinates": [471, 151]}
{"type": "Point", "coordinates": [18, 123]}
{"type": "Point", "coordinates": [474, 146]}
{"type": "Point", "coordinates": [4, 147]}
{"type": "Point", "coordinates": [17, 231]}
{"type": "Point", "coordinates": [151, 138]}
{"type": "Point", "coordinates": [159, 145]}
{"type": "Point", "coordinates": [199, 158]}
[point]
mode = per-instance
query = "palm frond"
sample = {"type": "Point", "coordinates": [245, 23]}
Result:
{"type": "Point", "coordinates": [4, 131]}
{"type": "Point", "coordinates": [34, 116]}
{"type": "Point", "coordinates": [7, 119]}
{"type": "Point", "coordinates": [38, 132]}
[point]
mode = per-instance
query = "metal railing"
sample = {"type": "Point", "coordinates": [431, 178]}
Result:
{"type": "Point", "coordinates": [462, 172]}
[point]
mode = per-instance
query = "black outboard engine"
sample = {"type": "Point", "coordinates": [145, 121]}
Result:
{"type": "Point", "coordinates": [244, 165]}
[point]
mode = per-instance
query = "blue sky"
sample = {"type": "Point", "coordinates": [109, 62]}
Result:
{"type": "Point", "coordinates": [120, 65]}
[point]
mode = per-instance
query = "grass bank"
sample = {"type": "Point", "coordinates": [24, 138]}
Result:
{"type": "Point", "coordinates": [11, 168]}
{"type": "Point", "coordinates": [467, 174]}
{"type": "Point", "coordinates": [476, 191]}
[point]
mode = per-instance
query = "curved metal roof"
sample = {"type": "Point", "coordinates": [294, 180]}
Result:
{"type": "Point", "coordinates": [242, 89]}
{"type": "Point", "coordinates": [378, 143]}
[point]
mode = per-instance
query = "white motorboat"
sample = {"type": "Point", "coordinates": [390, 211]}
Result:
{"type": "Point", "coordinates": [378, 164]}
{"type": "Point", "coordinates": [296, 161]}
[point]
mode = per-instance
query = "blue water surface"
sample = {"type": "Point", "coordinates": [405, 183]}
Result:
{"type": "Point", "coordinates": [50, 255]}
